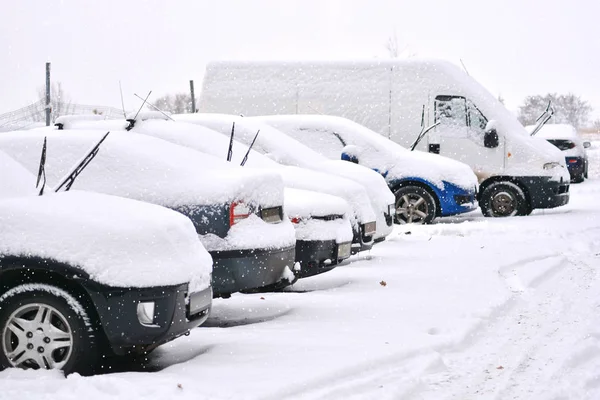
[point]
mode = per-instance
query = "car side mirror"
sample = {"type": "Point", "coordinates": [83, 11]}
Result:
{"type": "Point", "coordinates": [587, 145]}
{"type": "Point", "coordinates": [350, 153]}
{"type": "Point", "coordinates": [490, 136]}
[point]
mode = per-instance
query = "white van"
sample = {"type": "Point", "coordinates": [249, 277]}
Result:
{"type": "Point", "coordinates": [398, 98]}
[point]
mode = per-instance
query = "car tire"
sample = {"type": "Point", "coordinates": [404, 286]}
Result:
{"type": "Point", "coordinates": [414, 205]}
{"type": "Point", "coordinates": [43, 326]}
{"type": "Point", "coordinates": [504, 199]}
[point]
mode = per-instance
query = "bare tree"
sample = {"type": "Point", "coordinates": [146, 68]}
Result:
{"type": "Point", "coordinates": [178, 103]}
{"type": "Point", "coordinates": [392, 46]}
{"type": "Point", "coordinates": [569, 109]}
{"type": "Point", "coordinates": [60, 103]}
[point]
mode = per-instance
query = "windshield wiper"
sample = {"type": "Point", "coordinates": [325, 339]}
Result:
{"type": "Point", "coordinates": [42, 170]}
{"type": "Point", "coordinates": [68, 181]}
{"type": "Point", "coordinates": [249, 148]}
{"type": "Point", "coordinates": [230, 150]}
{"type": "Point", "coordinates": [543, 118]}
{"type": "Point", "coordinates": [424, 131]}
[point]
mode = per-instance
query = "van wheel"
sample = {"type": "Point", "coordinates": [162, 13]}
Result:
{"type": "Point", "coordinates": [504, 199]}
{"type": "Point", "coordinates": [44, 327]}
{"type": "Point", "coordinates": [414, 205]}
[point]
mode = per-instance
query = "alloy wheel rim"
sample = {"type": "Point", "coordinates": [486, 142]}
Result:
{"type": "Point", "coordinates": [37, 336]}
{"type": "Point", "coordinates": [504, 204]}
{"type": "Point", "coordinates": [411, 208]}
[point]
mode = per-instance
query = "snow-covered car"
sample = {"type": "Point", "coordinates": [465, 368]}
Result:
{"type": "Point", "coordinates": [238, 213]}
{"type": "Point", "coordinates": [208, 141]}
{"type": "Point", "coordinates": [566, 139]}
{"type": "Point", "coordinates": [426, 185]}
{"type": "Point", "coordinates": [285, 150]}
{"type": "Point", "coordinates": [85, 274]}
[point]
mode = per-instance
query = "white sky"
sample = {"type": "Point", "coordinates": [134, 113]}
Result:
{"type": "Point", "coordinates": [514, 47]}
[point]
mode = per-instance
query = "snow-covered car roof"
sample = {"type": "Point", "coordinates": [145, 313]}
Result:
{"type": "Point", "coordinates": [145, 168]}
{"type": "Point", "coordinates": [116, 241]}
{"type": "Point", "coordinates": [208, 141]}
{"type": "Point", "coordinates": [555, 131]}
{"type": "Point", "coordinates": [377, 151]}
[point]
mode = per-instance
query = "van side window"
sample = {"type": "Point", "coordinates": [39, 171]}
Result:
{"type": "Point", "coordinates": [476, 120]}
{"type": "Point", "coordinates": [451, 110]}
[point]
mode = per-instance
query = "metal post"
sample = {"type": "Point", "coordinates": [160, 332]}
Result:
{"type": "Point", "coordinates": [193, 96]}
{"type": "Point", "coordinates": [48, 106]}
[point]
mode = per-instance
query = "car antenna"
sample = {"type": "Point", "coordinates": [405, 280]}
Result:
{"type": "Point", "coordinates": [464, 67]}
{"type": "Point", "coordinates": [122, 102]}
{"type": "Point", "coordinates": [230, 150]}
{"type": "Point", "coordinates": [249, 148]}
{"type": "Point", "coordinates": [42, 170]}
{"type": "Point", "coordinates": [424, 131]}
{"type": "Point", "coordinates": [543, 118]}
{"type": "Point", "coordinates": [68, 180]}
{"type": "Point", "coordinates": [156, 108]}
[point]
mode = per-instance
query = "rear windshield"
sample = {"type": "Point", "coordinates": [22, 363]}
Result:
{"type": "Point", "coordinates": [562, 144]}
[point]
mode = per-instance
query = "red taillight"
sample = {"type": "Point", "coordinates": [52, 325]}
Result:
{"type": "Point", "coordinates": [237, 212]}
{"type": "Point", "coordinates": [572, 160]}
{"type": "Point", "coordinates": [295, 220]}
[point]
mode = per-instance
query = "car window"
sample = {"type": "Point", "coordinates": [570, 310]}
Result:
{"type": "Point", "coordinates": [323, 141]}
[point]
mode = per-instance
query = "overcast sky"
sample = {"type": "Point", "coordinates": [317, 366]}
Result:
{"type": "Point", "coordinates": [514, 47]}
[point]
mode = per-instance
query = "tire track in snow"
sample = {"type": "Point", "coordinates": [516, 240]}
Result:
{"type": "Point", "coordinates": [399, 375]}
{"type": "Point", "coordinates": [522, 354]}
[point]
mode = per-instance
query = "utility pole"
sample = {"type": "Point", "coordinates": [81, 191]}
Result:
{"type": "Point", "coordinates": [193, 96]}
{"type": "Point", "coordinates": [48, 106]}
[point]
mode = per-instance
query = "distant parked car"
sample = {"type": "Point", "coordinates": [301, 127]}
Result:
{"type": "Point", "coordinates": [238, 213]}
{"type": "Point", "coordinates": [566, 139]}
{"type": "Point", "coordinates": [285, 150]}
{"type": "Point", "coordinates": [426, 185]}
{"type": "Point", "coordinates": [86, 274]}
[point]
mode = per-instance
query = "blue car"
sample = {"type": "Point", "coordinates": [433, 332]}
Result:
{"type": "Point", "coordinates": [425, 185]}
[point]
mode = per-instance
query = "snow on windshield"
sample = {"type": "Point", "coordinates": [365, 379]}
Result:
{"type": "Point", "coordinates": [15, 180]}
{"type": "Point", "coordinates": [145, 168]}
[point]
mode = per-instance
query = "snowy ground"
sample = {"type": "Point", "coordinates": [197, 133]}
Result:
{"type": "Point", "coordinates": [469, 308]}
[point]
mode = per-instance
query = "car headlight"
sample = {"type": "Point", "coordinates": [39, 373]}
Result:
{"type": "Point", "coordinates": [551, 165]}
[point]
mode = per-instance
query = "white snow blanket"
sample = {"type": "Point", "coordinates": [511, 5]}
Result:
{"type": "Point", "coordinates": [328, 135]}
{"type": "Point", "coordinates": [467, 308]}
{"type": "Point", "coordinates": [117, 242]}
{"type": "Point", "coordinates": [208, 141]}
{"type": "Point", "coordinates": [286, 150]}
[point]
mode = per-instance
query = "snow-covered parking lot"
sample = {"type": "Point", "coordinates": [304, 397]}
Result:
{"type": "Point", "coordinates": [468, 308]}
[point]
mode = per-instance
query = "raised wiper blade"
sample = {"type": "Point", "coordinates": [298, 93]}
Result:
{"type": "Point", "coordinates": [42, 169]}
{"type": "Point", "coordinates": [230, 150]}
{"type": "Point", "coordinates": [422, 135]}
{"type": "Point", "coordinates": [249, 148]}
{"type": "Point", "coordinates": [68, 180]}
{"type": "Point", "coordinates": [543, 119]}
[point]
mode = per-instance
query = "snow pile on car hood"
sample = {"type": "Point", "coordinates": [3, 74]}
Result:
{"type": "Point", "coordinates": [555, 131]}
{"type": "Point", "coordinates": [145, 168]}
{"type": "Point", "coordinates": [15, 180]}
{"type": "Point", "coordinates": [375, 151]}
{"type": "Point", "coordinates": [117, 242]}
{"type": "Point", "coordinates": [206, 140]}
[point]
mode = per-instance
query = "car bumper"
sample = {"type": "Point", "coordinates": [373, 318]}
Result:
{"type": "Point", "coordinates": [545, 192]}
{"type": "Point", "coordinates": [243, 270]}
{"type": "Point", "coordinates": [318, 256]}
{"type": "Point", "coordinates": [456, 200]}
{"type": "Point", "coordinates": [362, 237]}
{"type": "Point", "coordinates": [176, 312]}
